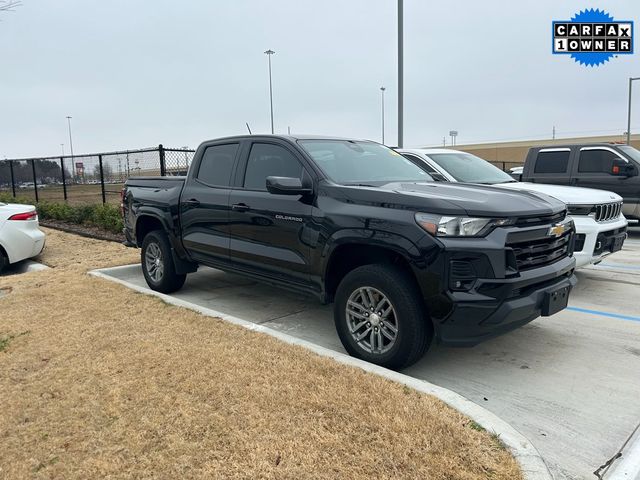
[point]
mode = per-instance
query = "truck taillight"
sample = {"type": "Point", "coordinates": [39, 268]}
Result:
{"type": "Point", "coordinates": [25, 216]}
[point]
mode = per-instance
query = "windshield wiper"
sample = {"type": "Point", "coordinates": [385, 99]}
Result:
{"type": "Point", "coordinates": [360, 185]}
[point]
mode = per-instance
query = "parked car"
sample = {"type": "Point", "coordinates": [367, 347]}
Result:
{"type": "Point", "coordinates": [516, 173]}
{"type": "Point", "coordinates": [600, 226]}
{"type": "Point", "coordinates": [20, 237]}
{"type": "Point", "coordinates": [403, 258]}
{"type": "Point", "coordinates": [608, 166]}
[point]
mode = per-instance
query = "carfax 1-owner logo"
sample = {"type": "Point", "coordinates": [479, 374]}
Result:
{"type": "Point", "coordinates": [592, 37]}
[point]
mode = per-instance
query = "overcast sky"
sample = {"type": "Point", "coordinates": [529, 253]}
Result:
{"type": "Point", "coordinates": [134, 74]}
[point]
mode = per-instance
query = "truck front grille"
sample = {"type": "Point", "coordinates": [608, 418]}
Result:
{"type": "Point", "coordinates": [543, 251]}
{"type": "Point", "coordinates": [607, 211]}
{"type": "Point", "coordinates": [541, 220]}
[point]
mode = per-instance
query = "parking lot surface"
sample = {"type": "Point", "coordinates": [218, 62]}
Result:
{"type": "Point", "coordinates": [570, 382]}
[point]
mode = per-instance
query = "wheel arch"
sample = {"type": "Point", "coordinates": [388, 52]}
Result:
{"type": "Point", "coordinates": [147, 222]}
{"type": "Point", "coordinates": [346, 254]}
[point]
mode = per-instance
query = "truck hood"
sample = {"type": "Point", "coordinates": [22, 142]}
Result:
{"type": "Point", "coordinates": [568, 195]}
{"type": "Point", "coordinates": [455, 199]}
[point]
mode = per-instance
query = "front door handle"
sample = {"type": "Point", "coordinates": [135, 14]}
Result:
{"type": "Point", "coordinates": [240, 207]}
{"type": "Point", "coordinates": [192, 202]}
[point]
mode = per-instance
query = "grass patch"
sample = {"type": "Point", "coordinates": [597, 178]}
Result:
{"type": "Point", "coordinates": [476, 426]}
{"type": "Point", "coordinates": [115, 384]}
{"type": "Point", "coordinates": [107, 216]}
{"type": "Point", "coordinates": [5, 340]}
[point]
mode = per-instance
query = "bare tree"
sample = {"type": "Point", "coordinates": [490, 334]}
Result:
{"type": "Point", "coordinates": [8, 5]}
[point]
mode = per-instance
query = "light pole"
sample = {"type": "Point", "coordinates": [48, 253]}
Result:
{"type": "Point", "coordinates": [269, 53]}
{"type": "Point", "coordinates": [62, 146]}
{"type": "Point", "coordinates": [186, 158]}
{"type": "Point", "coordinates": [631, 80]}
{"type": "Point", "coordinates": [73, 163]}
{"type": "Point", "coordinates": [382, 89]}
{"type": "Point", "coordinates": [400, 79]}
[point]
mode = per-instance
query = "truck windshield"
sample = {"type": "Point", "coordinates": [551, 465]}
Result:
{"type": "Point", "coordinates": [631, 151]}
{"type": "Point", "coordinates": [468, 168]}
{"type": "Point", "coordinates": [362, 163]}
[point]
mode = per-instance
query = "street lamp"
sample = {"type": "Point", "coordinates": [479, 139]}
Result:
{"type": "Point", "coordinates": [62, 146]}
{"type": "Point", "coordinates": [631, 80]}
{"type": "Point", "coordinates": [382, 89]}
{"type": "Point", "coordinates": [73, 163]}
{"type": "Point", "coordinates": [269, 53]}
{"type": "Point", "coordinates": [186, 158]}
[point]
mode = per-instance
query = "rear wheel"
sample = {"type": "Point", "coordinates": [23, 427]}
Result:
{"type": "Point", "coordinates": [380, 317]}
{"type": "Point", "coordinates": [157, 264]}
{"type": "Point", "coordinates": [4, 261]}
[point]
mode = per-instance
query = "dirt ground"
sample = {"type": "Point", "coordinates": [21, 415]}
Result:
{"type": "Point", "coordinates": [97, 381]}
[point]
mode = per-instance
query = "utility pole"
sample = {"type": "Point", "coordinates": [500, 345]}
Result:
{"type": "Point", "coordinates": [382, 89]}
{"type": "Point", "coordinates": [269, 53]}
{"type": "Point", "coordinates": [73, 163]}
{"type": "Point", "coordinates": [444, 141]}
{"type": "Point", "coordinates": [554, 133]}
{"type": "Point", "coordinates": [400, 76]}
{"type": "Point", "coordinates": [631, 80]}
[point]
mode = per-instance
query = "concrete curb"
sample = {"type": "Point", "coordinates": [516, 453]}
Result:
{"type": "Point", "coordinates": [530, 461]}
{"type": "Point", "coordinates": [627, 467]}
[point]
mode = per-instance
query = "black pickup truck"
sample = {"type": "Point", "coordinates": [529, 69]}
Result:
{"type": "Point", "coordinates": [405, 259]}
{"type": "Point", "coordinates": [606, 166]}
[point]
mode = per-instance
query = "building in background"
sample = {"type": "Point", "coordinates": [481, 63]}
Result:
{"type": "Point", "coordinates": [513, 154]}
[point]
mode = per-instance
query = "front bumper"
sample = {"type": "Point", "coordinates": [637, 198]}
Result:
{"type": "Point", "coordinates": [597, 239]}
{"type": "Point", "coordinates": [497, 306]}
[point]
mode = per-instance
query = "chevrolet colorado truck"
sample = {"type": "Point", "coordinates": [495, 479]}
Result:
{"type": "Point", "coordinates": [405, 260]}
{"type": "Point", "coordinates": [601, 228]}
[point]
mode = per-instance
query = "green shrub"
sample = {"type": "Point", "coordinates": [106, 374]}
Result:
{"type": "Point", "coordinates": [107, 217]}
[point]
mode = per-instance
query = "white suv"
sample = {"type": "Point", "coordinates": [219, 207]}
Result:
{"type": "Point", "coordinates": [600, 225]}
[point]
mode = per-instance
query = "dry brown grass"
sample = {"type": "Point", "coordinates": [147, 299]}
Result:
{"type": "Point", "coordinates": [102, 382]}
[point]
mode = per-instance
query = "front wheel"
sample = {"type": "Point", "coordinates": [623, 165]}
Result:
{"type": "Point", "coordinates": [157, 264]}
{"type": "Point", "coordinates": [380, 317]}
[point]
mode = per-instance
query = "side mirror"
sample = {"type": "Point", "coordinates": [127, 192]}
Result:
{"type": "Point", "coordinates": [623, 169]}
{"type": "Point", "coordinates": [438, 177]}
{"type": "Point", "coordinates": [287, 186]}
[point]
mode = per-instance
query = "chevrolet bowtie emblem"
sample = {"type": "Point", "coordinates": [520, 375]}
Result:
{"type": "Point", "coordinates": [556, 230]}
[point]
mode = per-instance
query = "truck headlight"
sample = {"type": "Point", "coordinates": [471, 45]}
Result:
{"type": "Point", "coordinates": [445, 226]}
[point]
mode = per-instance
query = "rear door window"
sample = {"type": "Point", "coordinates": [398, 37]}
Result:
{"type": "Point", "coordinates": [553, 161]}
{"type": "Point", "coordinates": [217, 164]}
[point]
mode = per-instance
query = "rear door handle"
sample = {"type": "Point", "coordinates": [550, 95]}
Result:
{"type": "Point", "coordinates": [192, 202]}
{"type": "Point", "coordinates": [240, 207]}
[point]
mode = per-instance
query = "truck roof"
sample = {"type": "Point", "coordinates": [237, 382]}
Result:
{"type": "Point", "coordinates": [289, 137]}
{"type": "Point", "coordinates": [572, 145]}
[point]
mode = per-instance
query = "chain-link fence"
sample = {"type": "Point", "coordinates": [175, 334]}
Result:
{"type": "Point", "coordinates": [95, 178]}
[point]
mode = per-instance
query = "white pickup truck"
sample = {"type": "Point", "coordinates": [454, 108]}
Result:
{"type": "Point", "coordinates": [601, 228]}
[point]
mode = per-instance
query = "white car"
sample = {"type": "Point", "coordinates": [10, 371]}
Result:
{"type": "Point", "coordinates": [20, 237]}
{"type": "Point", "coordinates": [600, 225]}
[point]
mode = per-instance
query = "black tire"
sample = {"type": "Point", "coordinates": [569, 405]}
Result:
{"type": "Point", "coordinates": [156, 245]}
{"type": "Point", "coordinates": [414, 330]}
{"type": "Point", "coordinates": [4, 261]}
